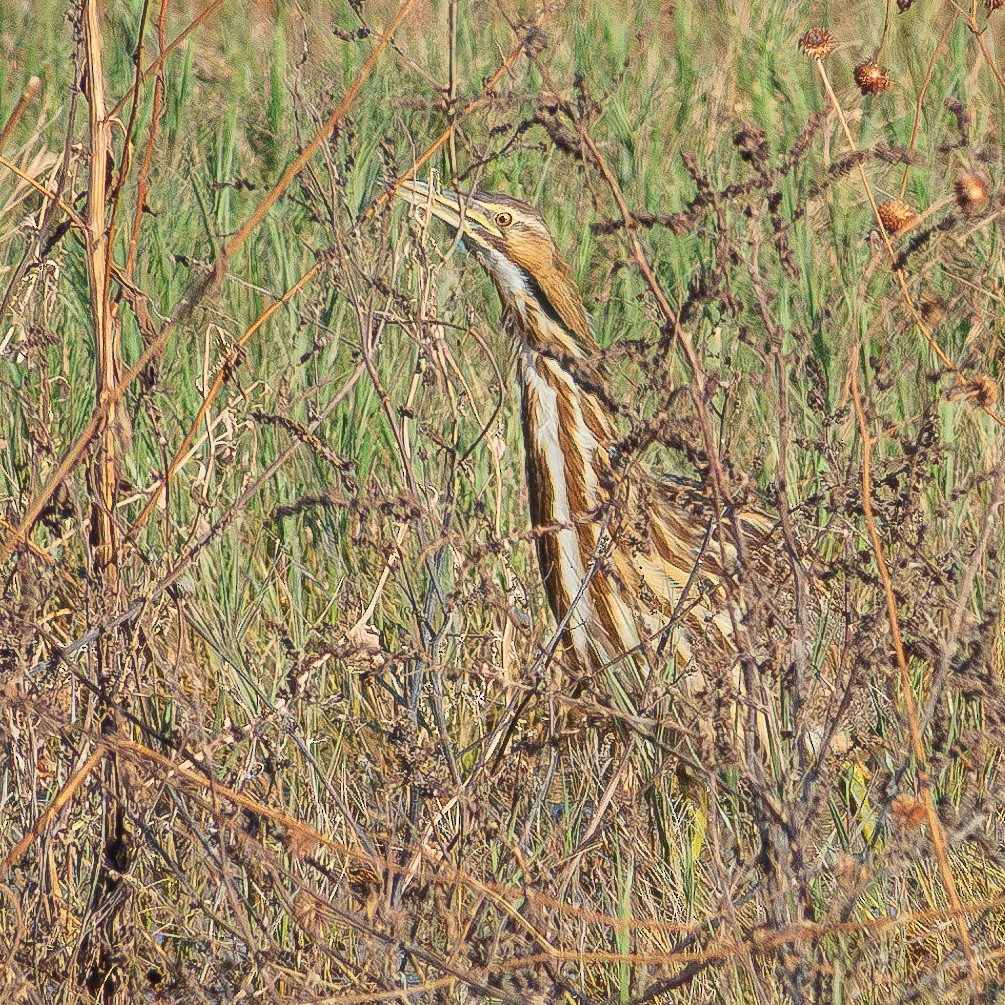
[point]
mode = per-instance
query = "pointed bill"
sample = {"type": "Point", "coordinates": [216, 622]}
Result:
{"type": "Point", "coordinates": [446, 206]}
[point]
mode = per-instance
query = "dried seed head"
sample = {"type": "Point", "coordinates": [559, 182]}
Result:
{"type": "Point", "coordinates": [904, 5]}
{"type": "Point", "coordinates": [872, 78]}
{"type": "Point", "coordinates": [983, 390]}
{"type": "Point", "coordinates": [972, 192]}
{"type": "Point", "coordinates": [933, 310]}
{"type": "Point", "coordinates": [992, 5]}
{"type": "Point", "coordinates": [817, 43]}
{"type": "Point", "coordinates": [896, 215]}
{"type": "Point", "coordinates": [908, 811]}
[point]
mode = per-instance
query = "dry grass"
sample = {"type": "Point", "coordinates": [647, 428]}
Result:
{"type": "Point", "coordinates": [282, 713]}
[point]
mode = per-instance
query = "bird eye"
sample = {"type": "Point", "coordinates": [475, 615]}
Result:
{"type": "Point", "coordinates": [504, 219]}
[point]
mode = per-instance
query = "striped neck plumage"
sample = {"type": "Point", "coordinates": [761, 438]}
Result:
{"type": "Point", "coordinates": [567, 436]}
{"type": "Point", "coordinates": [544, 309]}
{"type": "Point", "coordinates": [567, 432]}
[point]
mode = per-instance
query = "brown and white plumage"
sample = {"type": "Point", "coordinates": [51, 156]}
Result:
{"type": "Point", "coordinates": [632, 565]}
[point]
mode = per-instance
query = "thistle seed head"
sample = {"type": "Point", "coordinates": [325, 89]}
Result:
{"type": "Point", "coordinates": [972, 192]}
{"type": "Point", "coordinates": [872, 78]}
{"type": "Point", "coordinates": [896, 215]}
{"type": "Point", "coordinates": [817, 43]}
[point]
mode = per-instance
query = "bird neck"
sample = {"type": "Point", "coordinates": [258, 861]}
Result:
{"type": "Point", "coordinates": [568, 432]}
{"type": "Point", "coordinates": [567, 438]}
{"type": "Point", "coordinates": [541, 303]}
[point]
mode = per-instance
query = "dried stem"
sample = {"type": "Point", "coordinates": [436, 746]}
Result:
{"type": "Point", "coordinates": [31, 91]}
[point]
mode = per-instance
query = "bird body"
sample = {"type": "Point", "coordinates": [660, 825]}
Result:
{"type": "Point", "coordinates": [633, 565]}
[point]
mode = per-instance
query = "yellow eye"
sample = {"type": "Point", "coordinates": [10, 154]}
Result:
{"type": "Point", "coordinates": [504, 219]}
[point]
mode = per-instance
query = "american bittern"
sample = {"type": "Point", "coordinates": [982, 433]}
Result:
{"type": "Point", "coordinates": [633, 565]}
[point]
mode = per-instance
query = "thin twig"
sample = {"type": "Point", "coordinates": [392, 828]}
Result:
{"type": "Point", "coordinates": [31, 91]}
{"type": "Point", "coordinates": [64, 795]}
{"type": "Point", "coordinates": [196, 292]}
{"type": "Point", "coordinates": [910, 706]}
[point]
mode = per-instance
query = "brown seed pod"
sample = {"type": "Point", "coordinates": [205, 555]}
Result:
{"type": "Point", "coordinates": [817, 43]}
{"type": "Point", "coordinates": [908, 811]}
{"type": "Point", "coordinates": [933, 310]}
{"type": "Point", "coordinates": [896, 215]}
{"type": "Point", "coordinates": [972, 192]}
{"type": "Point", "coordinates": [872, 78]}
{"type": "Point", "coordinates": [992, 5]}
{"type": "Point", "coordinates": [904, 5]}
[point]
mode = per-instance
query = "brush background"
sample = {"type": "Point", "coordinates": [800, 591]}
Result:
{"type": "Point", "coordinates": [447, 874]}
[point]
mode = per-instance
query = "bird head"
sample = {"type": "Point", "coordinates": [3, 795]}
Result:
{"type": "Point", "coordinates": [514, 245]}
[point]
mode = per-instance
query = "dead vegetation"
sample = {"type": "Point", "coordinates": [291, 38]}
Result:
{"type": "Point", "coordinates": [281, 704]}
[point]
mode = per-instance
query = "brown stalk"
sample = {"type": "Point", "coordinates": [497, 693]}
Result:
{"type": "Point", "coordinates": [71, 213]}
{"type": "Point", "coordinates": [38, 552]}
{"type": "Point", "coordinates": [917, 744]}
{"type": "Point", "coordinates": [103, 533]}
{"type": "Point", "coordinates": [64, 795]}
{"type": "Point", "coordinates": [113, 394]}
{"type": "Point", "coordinates": [148, 152]}
{"type": "Point", "coordinates": [72, 456]}
{"type": "Point", "coordinates": [452, 79]}
{"type": "Point", "coordinates": [158, 64]}
{"type": "Point", "coordinates": [95, 956]}
{"type": "Point", "coordinates": [32, 88]}
{"type": "Point", "coordinates": [910, 706]}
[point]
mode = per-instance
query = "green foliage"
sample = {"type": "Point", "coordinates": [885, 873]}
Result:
{"type": "Point", "coordinates": [402, 484]}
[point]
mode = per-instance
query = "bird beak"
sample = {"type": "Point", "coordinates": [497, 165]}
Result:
{"type": "Point", "coordinates": [465, 213]}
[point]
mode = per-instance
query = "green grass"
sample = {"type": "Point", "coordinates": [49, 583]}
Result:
{"type": "Point", "coordinates": [243, 664]}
